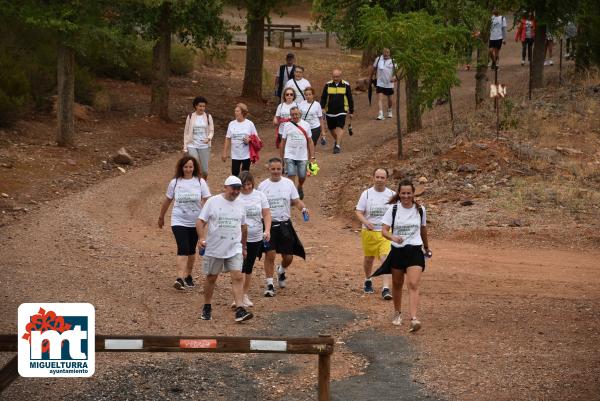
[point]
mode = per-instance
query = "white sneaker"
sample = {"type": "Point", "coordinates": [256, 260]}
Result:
{"type": "Point", "coordinates": [546, 62]}
{"type": "Point", "coordinates": [247, 302]}
{"type": "Point", "coordinates": [397, 319]}
{"type": "Point", "coordinates": [390, 115]}
{"type": "Point", "coordinates": [281, 279]}
{"type": "Point", "coordinates": [522, 62]}
{"type": "Point", "coordinates": [415, 325]}
{"type": "Point", "coordinates": [380, 116]}
{"type": "Point", "coordinates": [551, 62]}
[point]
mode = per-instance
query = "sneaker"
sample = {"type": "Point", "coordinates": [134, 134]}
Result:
{"type": "Point", "coordinates": [551, 62]}
{"type": "Point", "coordinates": [280, 276]}
{"type": "Point", "coordinates": [242, 314]}
{"type": "Point", "coordinates": [397, 321]}
{"type": "Point", "coordinates": [368, 288]}
{"type": "Point", "coordinates": [415, 325]}
{"type": "Point", "coordinates": [206, 312]}
{"type": "Point", "coordinates": [390, 115]}
{"type": "Point", "coordinates": [270, 291]}
{"type": "Point", "coordinates": [522, 62]}
{"type": "Point", "coordinates": [386, 294]}
{"type": "Point", "coordinates": [247, 302]}
{"type": "Point", "coordinates": [336, 149]}
{"type": "Point", "coordinates": [380, 116]}
{"type": "Point", "coordinates": [179, 284]}
{"type": "Point", "coordinates": [546, 62]}
{"type": "Point", "coordinates": [189, 282]}
{"type": "Point", "coordinates": [323, 141]}
{"type": "Point", "coordinates": [301, 193]}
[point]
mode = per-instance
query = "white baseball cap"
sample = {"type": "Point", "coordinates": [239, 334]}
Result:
{"type": "Point", "coordinates": [233, 181]}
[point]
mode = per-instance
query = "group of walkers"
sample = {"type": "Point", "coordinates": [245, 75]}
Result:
{"type": "Point", "coordinates": [525, 33]}
{"type": "Point", "coordinates": [245, 222]}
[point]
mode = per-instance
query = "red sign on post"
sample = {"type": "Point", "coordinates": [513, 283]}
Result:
{"type": "Point", "coordinates": [191, 343]}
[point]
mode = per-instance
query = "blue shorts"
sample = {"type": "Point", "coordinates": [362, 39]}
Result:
{"type": "Point", "coordinates": [296, 168]}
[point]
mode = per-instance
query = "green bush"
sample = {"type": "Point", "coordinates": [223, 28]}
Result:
{"type": "Point", "coordinates": [85, 86]}
{"type": "Point", "coordinates": [14, 90]}
{"type": "Point", "coordinates": [182, 59]}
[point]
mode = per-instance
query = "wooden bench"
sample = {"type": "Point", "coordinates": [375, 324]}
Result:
{"type": "Point", "coordinates": [285, 28]}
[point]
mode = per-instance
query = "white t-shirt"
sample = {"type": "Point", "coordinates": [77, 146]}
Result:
{"type": "Point", "coordinates": [312, 113]}
{"type": "Point", "coordinates": [187, 195]}
{"type": "Point", "coordinates": [225, 219]}
{"type": "Point", "coordinates": [498, 22]}
{"type": "Point", "coordinates": [200, 132]}
{"type": "Point", "coordinates": [407, 224]}
{"type": "Point", "coordinates": [287, 73]}
{"type": "Point", "coordinates": [254, 203]}
{"type": "Point", "coordinates": [528, 29]}
{"type": "Point", "coordinates": [283, 111]}
{"type": "Point", "coordinates": [374, 204]}
{"type": "Point", "coordinates": [302, 84]}
{"type": "Point", "coordinates": [296, 145]}
{"type": "Point", "coordinates": [237, 131]}
{"type": "Point", "coordinates": [280, 195]}
{"type": "Point", "coordinates": [385, 72]}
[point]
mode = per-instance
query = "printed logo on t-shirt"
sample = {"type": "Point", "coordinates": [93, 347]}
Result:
{"type": "Point", "coordinates": [277, 203]}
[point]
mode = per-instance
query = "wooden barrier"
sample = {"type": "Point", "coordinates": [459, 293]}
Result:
{"type": "Point", "coordinates": [322, 346]}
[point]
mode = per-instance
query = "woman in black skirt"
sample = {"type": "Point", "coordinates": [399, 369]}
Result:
{"type": "Point", "coordinates": [404, 225]}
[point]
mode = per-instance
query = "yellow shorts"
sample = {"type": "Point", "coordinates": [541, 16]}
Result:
{"type": "Point", "coordinates": [374, 244]}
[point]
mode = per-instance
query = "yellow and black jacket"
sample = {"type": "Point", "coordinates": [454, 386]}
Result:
{"type": "Point", "coordinates": [337, 98]}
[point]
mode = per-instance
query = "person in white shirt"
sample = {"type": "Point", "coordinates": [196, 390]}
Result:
{"type": "Point", "coordinates": [189, 191]}
{"type": "Point", "coordinates": [297, 148]}
{"type": "Point", "coordinates": [238, 139]}
{"type": "Point", "coordinates": [298, 83]}
{"type": "Point", "coordinates": [198, 133]}
{"type": "Point", "coordinates": [372, 205]}
{"type": "Point", "coordinates": [222, 233]}
{"type": "Point", "coordinates": [385, 69]}
{"type": "Point", "coordinates": [404, 224]}
{"type": "Point", "coordinates": [258, 220]}
{"type": "Point", "coordinates": [282, 114]}
{"type": "Point", "coordinates": [312, 113]}
{"type": "Point", "coordinates": [281, 194]}
{"type": "Point", "coordinates": [497, 36]}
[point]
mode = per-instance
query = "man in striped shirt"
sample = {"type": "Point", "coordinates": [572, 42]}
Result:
{"type": "Point", "coordinates": [337, 102]}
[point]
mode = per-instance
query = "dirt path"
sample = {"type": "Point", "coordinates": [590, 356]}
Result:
{"type": "Point", "coordinates": [500, 323]}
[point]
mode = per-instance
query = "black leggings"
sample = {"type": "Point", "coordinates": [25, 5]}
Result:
{"type": "Point", "coordinates": [187, 240]}
{"type": "Point", "coordinates": [236, 164]}
{"type": "Point", "coordinates": [527, 49]}
{"type": "Point", "coordinates": [315, 133]}
{"type": "Point", "coordinates": [252, 249]}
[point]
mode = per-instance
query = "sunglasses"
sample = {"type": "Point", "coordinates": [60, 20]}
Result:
{"type": "Point", "coordinates": [289, 94]}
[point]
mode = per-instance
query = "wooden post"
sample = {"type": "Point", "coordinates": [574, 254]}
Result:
{"type": "Point", "coordinates": [327, 39]}
{"type": "Point", "coordinates": [11, 371]}
{"type": "Point", "coordinates": [293, 37]}
{"type": "Point", "coordinates": [269, 34]}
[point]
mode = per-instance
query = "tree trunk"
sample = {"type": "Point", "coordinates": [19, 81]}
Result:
{"type": "Point", "coordinates": [161, 60]}
{"type": "Point", "coordinates": [481, 78]}
{"type": "Point", "coordinates": [66, 95]}
{"type": "Point", "coordinates": [539, 54]}
{"type": "Point", "coordinates": [413, 108]}
{"type": "Point", "coordinates": [398, 120]}
{"type": "Point", "coordinates": [255, 42]}
{"type": "Point", "coordinates": [368, 57]}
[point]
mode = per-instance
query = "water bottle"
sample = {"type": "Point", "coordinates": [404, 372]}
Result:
{"type": "Point", "coordinates": [305, 214]}
{"type": "Point", "coordinates": [350, 130]}
{"type": "Point", "coordinates": [428, 254]}
{"type": "Point", "coordinates": [266, 244]}
{"type": "Point", "coordinates": [201, 251]}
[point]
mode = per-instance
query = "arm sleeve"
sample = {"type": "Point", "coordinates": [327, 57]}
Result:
{"type": "Point", "coordinates": [294, 191]}
{"type": "Point", "coordinates": [204, 189]}
{"type": "Point", "coordinates": [278, 111]}
{"type": "Point", "coordinates": [211, 127]}
{"type": "Point", "coordinates": [350, 100]}
{"type": "Point", "coordinates": [205, 212]}
{"type": "Point", "coordinates": [361, 206]}
{"type": "Point", "coordinates": [264, 203]}
{"type": "Point", "coordinates": [319, 110]}
{"type": "Point", "coordinates": [229, 133]}
{"type": "Point", "coordinates": [171, 189]}
{"type": "Point", "coordinates": [253, 130]}
{"type": "Point", "coordinates": [387, 217]}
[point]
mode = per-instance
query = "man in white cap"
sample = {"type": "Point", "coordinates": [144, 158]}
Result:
{"type": "Point", "coordinates": [224, 244]}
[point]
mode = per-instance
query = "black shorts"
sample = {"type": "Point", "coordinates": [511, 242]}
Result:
{"type": "Point", "coordinates": [283, 238]}
{"type": "Point", "coordinates": [495, 44]}
{"type": "Point", "coordinates": [408, 255]}
{"type": "Point", "coordinates": [336, 122]}
{"type": "Point", "coordinates": [315, 133]}
{"type": "Point", "coordinates": [385, 91]}
{"type": "Point", "coordinates": [252, 252]}
{"type": "Point", "coordinates": [187, 240]}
